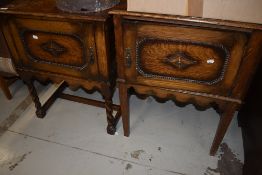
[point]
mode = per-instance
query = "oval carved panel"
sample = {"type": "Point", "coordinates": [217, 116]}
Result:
{"type": "Point", "coordinates": [203, 63]}
{"type": "Point", "coordinates": [65, 50]}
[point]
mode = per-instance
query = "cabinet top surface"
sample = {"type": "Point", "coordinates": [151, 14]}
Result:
{"type": "Point", "coordinates": [187, 19]}
{"type": "Point", "coordinates": [47, 8]}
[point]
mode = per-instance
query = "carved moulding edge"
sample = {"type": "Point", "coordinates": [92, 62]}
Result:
{"type": "Point", "coordinates": [39, 60]}
{"type": "Point", "coordinates": [139, 46]}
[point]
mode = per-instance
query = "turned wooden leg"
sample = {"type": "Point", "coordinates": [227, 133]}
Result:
{"type": "Point", "coordinates": [40, 112]}
{"type": "Point", "coordinates": [124, 104]}
{"type": "Point", "coordinates": [223, 125]}
{"type": "Point", "coordinates": [111, 121]}
{"type": "Point", "coordinates": [5, 89]}
{"type": "Point", "coordinates": [111, 127]}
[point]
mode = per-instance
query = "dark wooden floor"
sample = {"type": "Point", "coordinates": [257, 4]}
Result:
{"type": "Point", "coordinates": [250, 119]}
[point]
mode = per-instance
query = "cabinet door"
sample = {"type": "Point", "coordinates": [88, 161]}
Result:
{"type": "Point", "coordinates": [59, 47]}
{"type": "Point", "coordinates": [176, 56]}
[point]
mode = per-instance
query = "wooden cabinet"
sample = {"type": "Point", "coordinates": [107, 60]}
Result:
{"type": "Point", "coordinates": [66, 48]}
{"type": "Point", "coordinates": [50, 45]}
{"type": "Point", "coordinates": [200, 59]}
{"type": "Point", "coordinates": [208, 63]}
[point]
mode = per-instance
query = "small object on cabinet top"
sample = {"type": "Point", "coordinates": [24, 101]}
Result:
{"type": "Point", "coordinates": [85, 6]}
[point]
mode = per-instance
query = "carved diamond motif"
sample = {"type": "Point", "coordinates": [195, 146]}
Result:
{"type": "Point", "coordinates": [180, 60]}
{"type": "Point", "coordinates": [53, 48]}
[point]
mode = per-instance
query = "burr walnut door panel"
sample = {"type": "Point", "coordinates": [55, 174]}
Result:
{"type": "Point", "coordinates": [170, 56]}
{"type": "Point", "coordinates": [55, 46]}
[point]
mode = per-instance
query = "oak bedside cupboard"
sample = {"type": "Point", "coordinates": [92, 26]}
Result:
{"type": "Point", "coordinates": [205, 62]}
{"type": "Point", "coordinates": [48, 44]}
